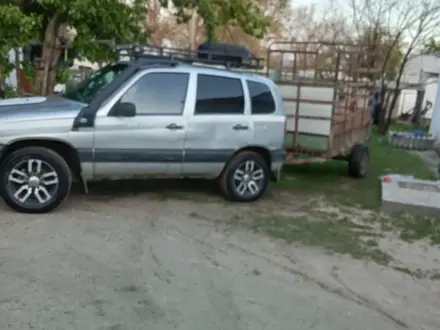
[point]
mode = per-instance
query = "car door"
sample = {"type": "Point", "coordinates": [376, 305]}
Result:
{"type": "Point", "coordinates": [219, 125]}
{"type": "Point", "coordinates": [151, 141]}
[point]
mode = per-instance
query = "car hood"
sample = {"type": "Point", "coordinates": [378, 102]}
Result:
{"type": "Point", "coordinates": [38, 107]}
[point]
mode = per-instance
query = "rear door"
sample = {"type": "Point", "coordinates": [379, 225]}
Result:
{"type": "Point", "coordinates": [268, 123]}
{"type": "Point", "coordinates": [219, 126]}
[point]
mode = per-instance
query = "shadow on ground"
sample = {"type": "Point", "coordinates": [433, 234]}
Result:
{"type": "Point", "coordinates": [178, 188]}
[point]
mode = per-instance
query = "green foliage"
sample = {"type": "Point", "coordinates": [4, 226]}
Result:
{"type": "Point", "coordinates": [29, 71]}
{"type": "Point", "coordinates": [10, 92]}
{"type": "Point", "coordinates": [218, 13]}
{"type": "Point", "coordinates": [432, 46]}
{"type": "Point", "coordinates": [394, 62]}
{"type": "Point", "coordinates": [63, 76]}
{"type": "Point", "coordinates": [96, 20]}
{"type": "Point", "coordinates": [21, 21]}
{"type": "Point", "coordinates": [16, 29]}
{"type": "Point", "coordinates": [101, 23]}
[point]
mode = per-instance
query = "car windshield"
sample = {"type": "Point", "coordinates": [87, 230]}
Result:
{"type": "Point", "coordinates": [87, 89]}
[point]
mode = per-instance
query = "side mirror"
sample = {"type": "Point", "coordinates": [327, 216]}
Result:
{"type": "Point", "coordinates": [123, 110]}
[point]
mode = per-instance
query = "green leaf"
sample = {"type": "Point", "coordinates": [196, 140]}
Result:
{"type": "Point", "coordinates": [218, 13]}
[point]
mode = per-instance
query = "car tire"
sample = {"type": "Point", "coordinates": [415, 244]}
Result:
{"type": "Point", "coordinates": [245, 178]}
{"type": "Point", "coordinates": [34, 180]}
{"type": "Point", "coordinates": [358, 161]}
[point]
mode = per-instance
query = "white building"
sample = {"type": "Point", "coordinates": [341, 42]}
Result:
{"type": "Point", "coordinates": [11, 80]}
{"type": "Point", "coordinates": [420, 69]}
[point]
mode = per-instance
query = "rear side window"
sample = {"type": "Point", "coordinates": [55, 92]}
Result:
{"type": "Point", "coordinates": [219, 95]}
{"type": "Point", "coordinates": [261, 98]}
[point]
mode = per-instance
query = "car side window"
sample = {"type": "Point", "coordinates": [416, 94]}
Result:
{"type": "Point", "coordinates": [158, 93]}
{"type": "Point", "coordinates": [262, 101]}
{"type": "Point", "coordinates": [219, 95]}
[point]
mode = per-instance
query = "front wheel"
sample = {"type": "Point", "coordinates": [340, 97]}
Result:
{"type": "Point", "coordinates": [34, 180]}
{"type": "Point", "coordinates": [245, 178]}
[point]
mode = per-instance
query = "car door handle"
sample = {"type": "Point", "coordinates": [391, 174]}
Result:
{"type": "Point", "coordinates": [240, 127]}
{"type": "Point", "coordinates": [174, 126]}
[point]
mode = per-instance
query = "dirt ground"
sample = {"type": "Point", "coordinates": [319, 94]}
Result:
{"type": "Point", "coordinates": [188, 260]}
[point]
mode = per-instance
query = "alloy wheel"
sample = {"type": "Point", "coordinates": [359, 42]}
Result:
{"type": "Point", "coordinates": [32, 182]}
{"type": "Point", "coordinates": [248, 178]}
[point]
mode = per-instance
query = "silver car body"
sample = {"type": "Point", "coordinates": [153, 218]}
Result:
{"type": "Point", "coordinates": [116, 147]}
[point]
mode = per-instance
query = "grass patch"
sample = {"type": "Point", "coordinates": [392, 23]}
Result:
{"type": "Point", "coordinates": [408, 128]}
{"type": "Point", "coordinates": [414, 228]}
{"type": "Point", "coordinates": [331, 179]}
{"type": "Point", "coordinates": [337, 236]}
{"type": "Point", "coordinates": [433, 275]}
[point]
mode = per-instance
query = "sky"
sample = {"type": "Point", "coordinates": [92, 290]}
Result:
{"type": "Point", "coordinates": [309, 2]}
{"type": "Point", "coordinates": [392, 17]}
{"type": "Point", "coordinates": [320, 5]}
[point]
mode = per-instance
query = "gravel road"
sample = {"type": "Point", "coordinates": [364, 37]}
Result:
{"type": "Point", "coordinates": [148, 262]}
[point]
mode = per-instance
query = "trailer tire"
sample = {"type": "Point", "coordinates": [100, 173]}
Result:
{"type": "Point", "coordinates": [358, 161]}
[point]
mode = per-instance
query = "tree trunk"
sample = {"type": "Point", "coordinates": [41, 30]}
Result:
{"type": "Point", "coordinates": [383, 109]}
{"type": "Point", "coordinates": [51, 79]}
{"type": "Point", "coordinates": [387, 104]}
{"type": "Point", "coordinates": [2, 88]}
{"type": "Point", "coordinates": [44, 84]}
{"type": "Point", "coordinates": [417, 119]}
{"type": "Point", "coordinates": [392, 104]}
{"type": "Point", "coordinates": [193, 31]}
{"type": "Point", "coordinates": [396, 92]}
{"type": "Point", "coordinates": [154, 22]}
{"type": "Point", "coordinates": [17, 70]}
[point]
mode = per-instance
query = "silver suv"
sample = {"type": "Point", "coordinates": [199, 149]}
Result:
{"type": "Point", "coordinates": [143, 117]}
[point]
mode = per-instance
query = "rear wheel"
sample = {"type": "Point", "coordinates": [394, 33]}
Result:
{"type": "Point", "coordinates": [34, 180]}
{"type": "Point", "coordinates": [245, 178]}
{"type": "Point", "coordinates": [358, 161]}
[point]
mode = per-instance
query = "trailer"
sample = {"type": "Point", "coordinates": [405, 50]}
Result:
{"type": "Point", "coordinates": [327, 90]}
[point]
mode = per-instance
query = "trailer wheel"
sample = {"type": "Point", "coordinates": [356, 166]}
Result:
{"type": "Point", "coordinates": [358, 161]}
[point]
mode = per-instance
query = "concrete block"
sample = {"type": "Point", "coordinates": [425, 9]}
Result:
{"type": "Point", "coordinates": [406, 194]}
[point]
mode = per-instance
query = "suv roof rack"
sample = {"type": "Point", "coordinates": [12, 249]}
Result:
{"type": "Point", "coordinates": [176, 56]}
